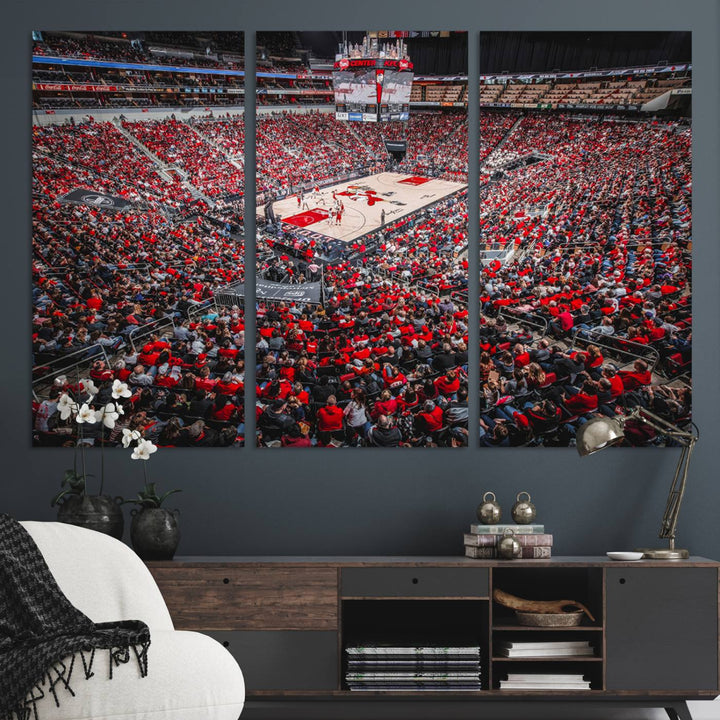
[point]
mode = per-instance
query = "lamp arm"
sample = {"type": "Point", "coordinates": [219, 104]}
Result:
{"type": "Point", "coordinates": [675, 497]}
{"type": "Point", "coordinates": [677, 489]}
{"type": "Point", "coordinates": [661, 425]}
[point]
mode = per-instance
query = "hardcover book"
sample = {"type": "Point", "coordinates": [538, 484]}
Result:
{"type": "Point", "coordinates": [490, 553]}
{"type": "Point", "coordinates": [543, 644]}
{"type": "Point", "coordinates": [492, 540]}
{"type": "Point", "coordinates": [479, 529]}
{"type": "Point", "coordinates": [546, 652]}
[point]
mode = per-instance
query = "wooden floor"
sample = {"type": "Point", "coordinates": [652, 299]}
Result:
{"type": "Point", "coordinates": [364, 200]}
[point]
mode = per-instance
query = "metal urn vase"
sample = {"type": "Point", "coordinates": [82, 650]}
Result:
{"type": "Point", "coordinates": [95, 512]}
{"type": "Point", "coordinates": [523, 511]}
{"type": "Point", "coordinates": [155, 533]}
{"type": "Point", "coordinates": [508, 548]}
{"type": "Point", "coordinates": [489, 511]}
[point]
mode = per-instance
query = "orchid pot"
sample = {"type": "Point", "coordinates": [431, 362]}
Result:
{"type": "Point", "coordinates": [101, 513]}
{"type": "Point", "coordinates": [155, 532]}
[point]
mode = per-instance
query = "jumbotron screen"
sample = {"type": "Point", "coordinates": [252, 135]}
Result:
{"type": "Point", "coordinates": [396, 88]}
{"type": "Point", "coordinates": [355, 87]}
{"type": "Point", "coordinates": [372, 89]}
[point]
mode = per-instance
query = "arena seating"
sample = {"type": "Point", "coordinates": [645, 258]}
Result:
{"type": "Point", "coordinates": [301, 149]}
{"type": "Point", "coordinates": [585, 225]}
{"type": "Point", "coordinates": [581, 91]}
{"type": "Point", "coordinates": [589, 310]}
{"type": "Point", "coordinates": [392, 308]}
{"type": "Point", "coordinates": [153, 267]}
{"type": "Point", "coordinates": [120, 49]}
{"type": "Point", "coordinates": [176, 143]}
{"type": "Point", "coordinates": [115, 291]}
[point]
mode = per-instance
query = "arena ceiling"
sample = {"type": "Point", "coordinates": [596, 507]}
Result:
{"type": "Point", "coordinates": [514, 52]}
{"type": "Point", "coordinates": [430, 55]}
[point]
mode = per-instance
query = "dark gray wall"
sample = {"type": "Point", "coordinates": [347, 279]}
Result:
{"type": "Point", "coordinates": [371, 501]}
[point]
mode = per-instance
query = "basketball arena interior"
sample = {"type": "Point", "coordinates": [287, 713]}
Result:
{"type": "Point", "coordinates": [362, 237]}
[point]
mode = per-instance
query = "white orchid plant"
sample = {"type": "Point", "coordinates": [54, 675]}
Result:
{"type": "Point", "coordinates": [81, 409]}
{"type": "Point", "coordinates": [143, 449]}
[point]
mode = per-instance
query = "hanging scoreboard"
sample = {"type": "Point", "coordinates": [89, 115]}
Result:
{"type": "Point", "coordinates": [372, 89]}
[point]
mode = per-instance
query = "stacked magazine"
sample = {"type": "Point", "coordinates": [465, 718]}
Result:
{"type": "Point", "coordinates": [547, 681]}
{"type": "Point", "coordinates": [412, 667]}
{"type": "Point", "coordinates": [553, 648]}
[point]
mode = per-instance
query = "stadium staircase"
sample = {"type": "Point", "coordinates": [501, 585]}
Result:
{"type": "Point", "coordinates": [357, 137]}
{"type": "Point", "coordinates": [460, 129]}
{"type": "Point", "coordinates": [235, 160]}
{"type": "Point", "coordinates": [196, 194]}
{"type": "Point", "coordinates": [495, 151]}
{"type": "Point", "coordinates": [164, 169]}
{"type": "Point", "coordinates": [322, 138]}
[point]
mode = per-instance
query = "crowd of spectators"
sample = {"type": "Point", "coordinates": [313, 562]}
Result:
{"type": "Point", "coordinates": [88, 47]}
{"type": "Point", "coordinates": [300, 149]}
{"type": "Point", "coordinates": [123, 294]}
{"type": "Point", "coordinates": [176, 143]}
{"type": "Point", "coordinates": [137, 85]}
{"type": "Point", "coordinates": [379, 365]}
{"type": "Point", "coordinates": [121, 49]}
{"type": "Point", "coordinates": [587, 312]}
{"type": "Point", "coordinates": [384, 362]}
{"type": "Point", "coordinates": [590, 312]}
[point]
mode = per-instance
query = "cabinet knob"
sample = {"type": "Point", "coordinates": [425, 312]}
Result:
{"type": "Point", "coordinates": [226, 644]}
{"type": "Point", "coordinates": [415, 581]}
{"type": "Point", "coordinates": [622, 581]}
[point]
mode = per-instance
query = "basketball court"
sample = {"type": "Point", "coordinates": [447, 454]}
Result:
{"type": "Point", "coordinates": [364, 201]}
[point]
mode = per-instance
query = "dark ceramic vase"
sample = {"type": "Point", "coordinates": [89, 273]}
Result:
{"type": "Point", "coordinates": [95, 512]}
{"type": "Point", "coordinates": [155, 533]}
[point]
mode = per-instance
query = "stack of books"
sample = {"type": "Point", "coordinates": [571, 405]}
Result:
{"type": "Point", "coordinates": [540, 649]}
{"type": "Point", "coordinates": [481, 542]}
{"type": "Point", "coordinates": [373, 668]}
{"type": "Point", "coordinates": [537, 681]}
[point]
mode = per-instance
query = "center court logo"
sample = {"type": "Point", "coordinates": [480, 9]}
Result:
{"type": "Point", "coordinates": [98, 200]}
{"type": "Point", "coordinates": [361, 192]}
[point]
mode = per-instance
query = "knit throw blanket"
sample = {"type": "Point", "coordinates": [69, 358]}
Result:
{"type": "Point", "coordinates": [44, 639]}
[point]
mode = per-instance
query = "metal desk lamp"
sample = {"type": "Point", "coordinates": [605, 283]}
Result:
{"type": "Point", "coordinates": [601, 432]}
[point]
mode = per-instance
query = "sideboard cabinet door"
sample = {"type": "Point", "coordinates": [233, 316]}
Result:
{"type": "Point", "coordinates": [662, 628]}
{"type": "Point", "coordinates": [283, 660]}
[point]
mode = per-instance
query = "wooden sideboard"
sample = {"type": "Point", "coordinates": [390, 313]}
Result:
{"type": "Point", "coordinates": [287, 620]}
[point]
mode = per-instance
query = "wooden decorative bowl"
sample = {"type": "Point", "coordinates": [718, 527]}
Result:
{"type": "Point", "coordinates": [564, 619]}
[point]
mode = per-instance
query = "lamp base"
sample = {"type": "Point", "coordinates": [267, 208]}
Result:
{"type": "Point", "coordinates": [663, 554]}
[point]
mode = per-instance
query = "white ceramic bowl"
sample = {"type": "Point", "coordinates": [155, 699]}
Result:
{"type": "Point", "coordinates": [625, 555]}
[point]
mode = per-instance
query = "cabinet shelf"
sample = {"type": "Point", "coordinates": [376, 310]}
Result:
{"type": "Point", "coordinates": [496, 692]}
{"type": "Point", "coordinates": [554, 658]}
{"type": "Point", "coordinates": [510, 627]}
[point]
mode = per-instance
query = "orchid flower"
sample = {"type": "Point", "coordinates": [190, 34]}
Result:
{"type": "Point", "coordinates": [129, 436]}
{"type": "Point", "coordinates": [85, 415]}
{"type": "Point", "coordinates": [89, 386]}
{"type": "Point", "coordinates": [66, 406]}
{"type": "Point", "coordinates": [120, 390]}
{"type": "Point", "coordinates": [143, 450]}
{"type": "Point", "coordinates": [108, 415]}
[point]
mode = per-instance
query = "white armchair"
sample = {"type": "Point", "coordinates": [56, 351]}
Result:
{"type": "Point", "coordinates": [190, 675]}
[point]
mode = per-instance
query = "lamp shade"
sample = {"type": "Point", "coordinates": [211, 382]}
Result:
{"type": "Point", "coordinates": [598, 433]}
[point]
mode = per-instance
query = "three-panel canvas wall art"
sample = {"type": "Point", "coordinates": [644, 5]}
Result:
{"type": "Point", "coordinates": [383, 307]}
